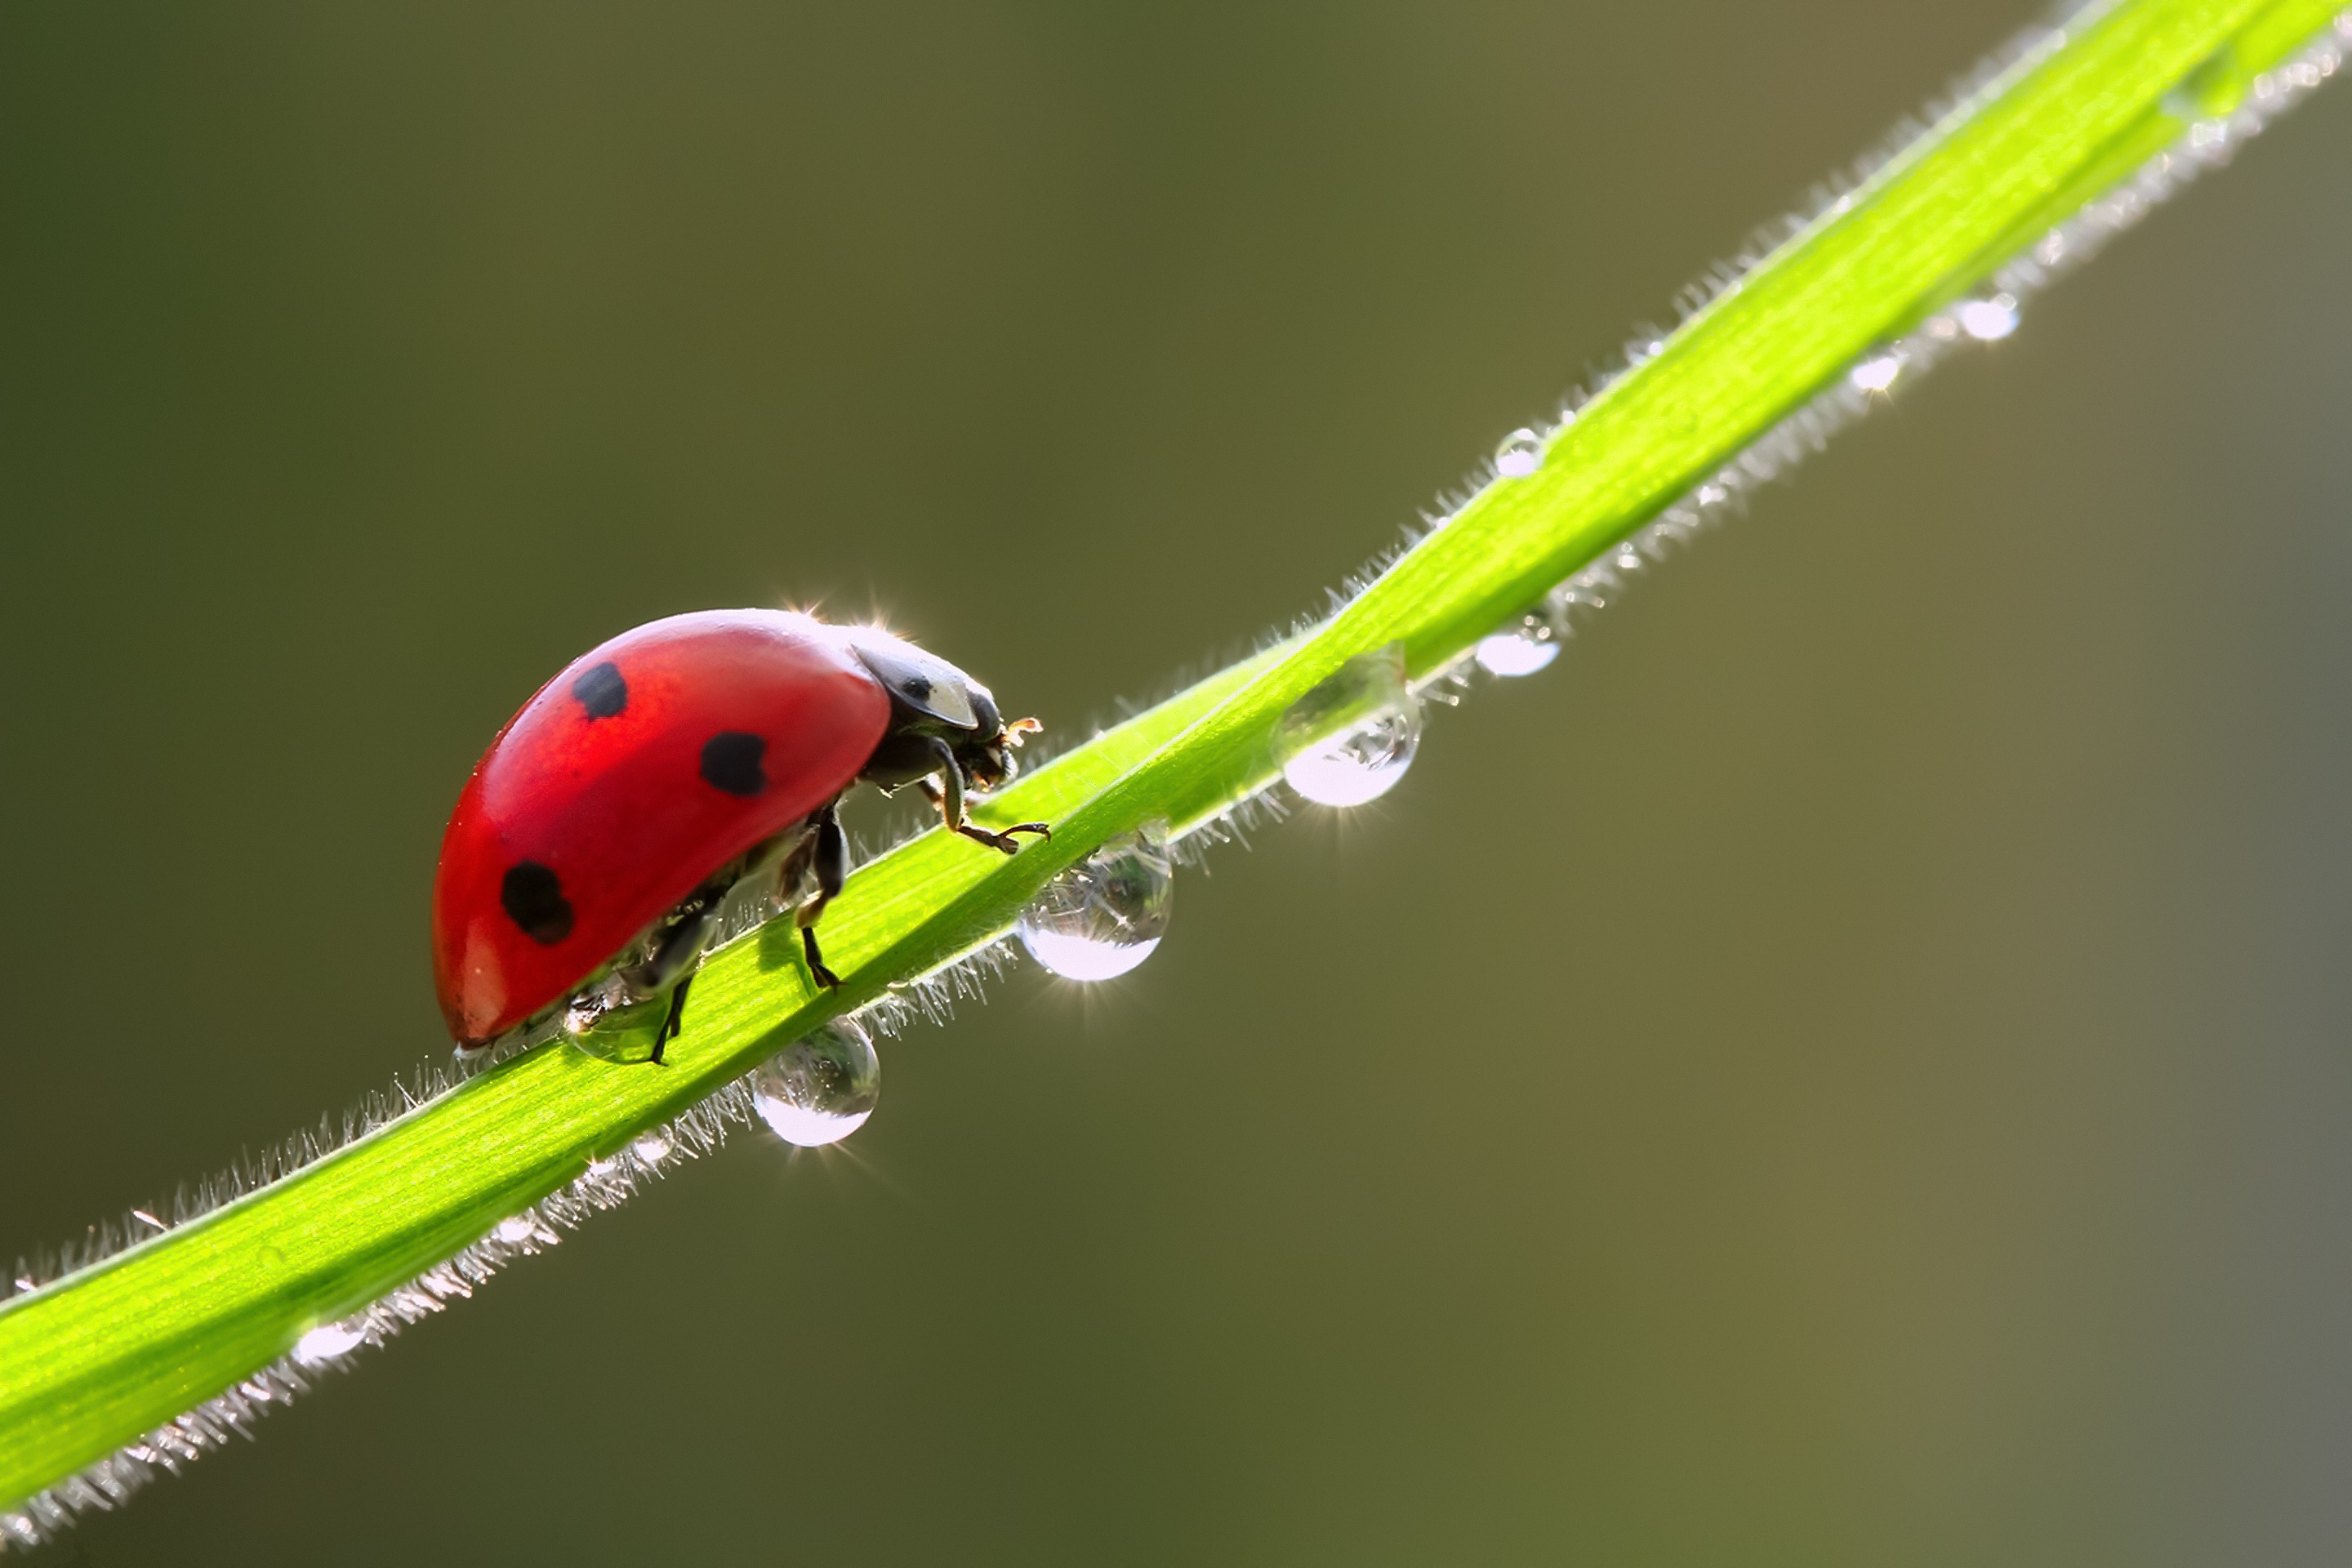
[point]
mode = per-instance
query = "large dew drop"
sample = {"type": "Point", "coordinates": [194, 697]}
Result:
{"type": "Point", "coordinates": [1521, 649]}
{"type": "Point", "coordinates": [1105, 914]}
{"type": "Point", "coordinates": [821, 1090]}
{"type": "Point", "coordinates": [1350, 739]}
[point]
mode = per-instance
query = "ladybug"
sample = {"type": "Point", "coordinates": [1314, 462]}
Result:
{"type": "Point", "coordinates": [588, 854]}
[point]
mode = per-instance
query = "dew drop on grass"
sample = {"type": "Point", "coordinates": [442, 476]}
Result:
{"type": "Point", "coordinates": [605, 1024]}
{"type": "Point", "coordinates": [1351, 738]}
{"type": "Point", "coordinates": [1876, 373]}
{"type": "Point", "coordinates": [821, 1090]}
{"type": "Point", "coordinates": [1520, 454]}
{"type": "Point", "coordinates": [1518, 650]}
{"type": "Point", "coordinates": [1989, 321]}
{"type": "Point", "coordinates": [1105, 914]}
{"type": "Point", "coordinates": [326, 1342]}
{"type": "Point", "coordinates": [652, 1148]}
{"type": "Point", "coordinates": [515, 1230]}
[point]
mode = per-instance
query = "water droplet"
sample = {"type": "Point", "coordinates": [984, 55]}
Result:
{"type": "Point", "coordinates": [1520, 454]}
{"type": "Point", "coordinates": [653, 1148]}
{"type": "Point", "coordinates": [1876, 373]}
{"type": "Point", "coordinates": [821, 1090]}
{"type": "Point", "coordinates": [1521, 650]}
{"type": "Point", "coordinates": [516, 1228]}
{"type": "Point", "coordinates": [1105, 914]}
{"type": "Point", "coordinates": [326, 1342]}
{"type": "Point", "coordinates": [1989, 321]}
{"type": "Point", "coordinates": [1350, 739]}
{"type": "Point", "coordinates": [603, 1023]}
{"type": "Point", "coordinates": [584, 1011]}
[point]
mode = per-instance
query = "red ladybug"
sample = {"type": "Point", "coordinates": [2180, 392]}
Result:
{"type": "Point", "coordinates": [610, 816]}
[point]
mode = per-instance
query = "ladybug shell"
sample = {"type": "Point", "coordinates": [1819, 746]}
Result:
{"type": "Point", "coordinates": [646, 765]}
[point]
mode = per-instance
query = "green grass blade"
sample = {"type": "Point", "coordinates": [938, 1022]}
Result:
{"type": "Point", "coordinates": [98, 1359]}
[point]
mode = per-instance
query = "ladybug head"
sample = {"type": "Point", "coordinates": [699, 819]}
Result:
{"type": "Point", "coordinates": [990, 762]}
{"type": "Point", "coordinates": [933, 697]}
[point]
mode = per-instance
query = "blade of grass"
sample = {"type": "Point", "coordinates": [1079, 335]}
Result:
{"type": "Point", "coordinates": [97, 1360]}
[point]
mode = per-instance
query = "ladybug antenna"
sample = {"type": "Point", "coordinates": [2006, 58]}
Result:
{"type": "Point", "coordinates": [1020, 730]}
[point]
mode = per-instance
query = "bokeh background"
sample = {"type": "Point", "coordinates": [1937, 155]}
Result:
{"type": "Point", "coordinates": [1847, 1067]}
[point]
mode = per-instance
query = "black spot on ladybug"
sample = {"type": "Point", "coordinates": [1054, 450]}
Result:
{"type": "Point", "coordinates": [916, 686]}
{"type": "Point", "coordinates": [602, 691]}
{"type": "Point", "coordinates": [731, 761]}
{"type": "Point", "coordinates": [533, 897]}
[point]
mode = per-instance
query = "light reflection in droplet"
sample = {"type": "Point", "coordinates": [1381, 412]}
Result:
{"type": "Point", "coordinates": [1875, 374]}
{"type": "Point", "coordinates": [1520, 454]}
{"type": "Point", "coordinates": [1105, 914]}
{"type": "Point", "coordinates": [1522, 650]}
{"type": "Point", "coordinates": [327, 1342]}
{"type": "Point", "coordinates": [1989, 321]}
{"type": "Point", "coordinates": [821, 1090]}
{"type": "Point", "coordinates": [1350, 739]}
{"type": "Point", "coordinates": [1361, 765]}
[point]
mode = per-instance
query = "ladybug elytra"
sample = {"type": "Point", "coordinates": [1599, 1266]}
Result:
{"type": "Point", "coordinates": [601, 830]}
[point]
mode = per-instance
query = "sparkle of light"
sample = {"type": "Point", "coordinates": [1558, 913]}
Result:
{"type": "Point", "coordinates": [1875, 374]}
{"type": "Point", "coordinates": [1989, 321]}
{"type": "Point", "coordinates": [326, 1342]}
{"type": "Point", "coordinates": [1080, 958]}
{"type": "Point", "coordinates": [1509, 654]}
{"type": "Point", "coordinates": [808, 1129]}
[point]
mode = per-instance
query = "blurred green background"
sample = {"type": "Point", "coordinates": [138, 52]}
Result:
{"type": "Point", "coordinates": [1845, 1068]}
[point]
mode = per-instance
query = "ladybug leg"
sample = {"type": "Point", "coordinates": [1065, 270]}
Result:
{"type": "Point", "coordinates": [829, 862]}
{"type": "Point", "coordinates": [677, 951]}
{"type": "Point", "coordinates": [670, 966]}
{"type": "Point", "coordinates": [675, 1022]}
{"type": "Point", "coordinates": [949, 794]}
{"type": "Point", "coordinates": [783, 862]}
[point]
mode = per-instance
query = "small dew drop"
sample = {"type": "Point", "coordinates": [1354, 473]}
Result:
{"type": "Point", "coordinates": [821, 1090]}
{"type": "Point", "coordinates": [327, 1342]}
{"type": "Point", "coordinates": [1875, 374]}
{"type": "Point", "coordinates": [1105, 914]}
{"type": "Point", "coordinates": [1989, 321]}
{"type": "Point", "coordinates": [1351, 738]}
{"type": "Point", "coordinates": [653, 1148]}
{"type": "Point", "coordinates": [586, 1010]}
{"type": "Point", "coordinates": [1520, 454]}
{"type": "Point", "coordinates": [1522, 650]}
{"type": "Point", "coordinates": [605, 1023]}
{"type": "Point", "coordinates": [516, 1229]}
